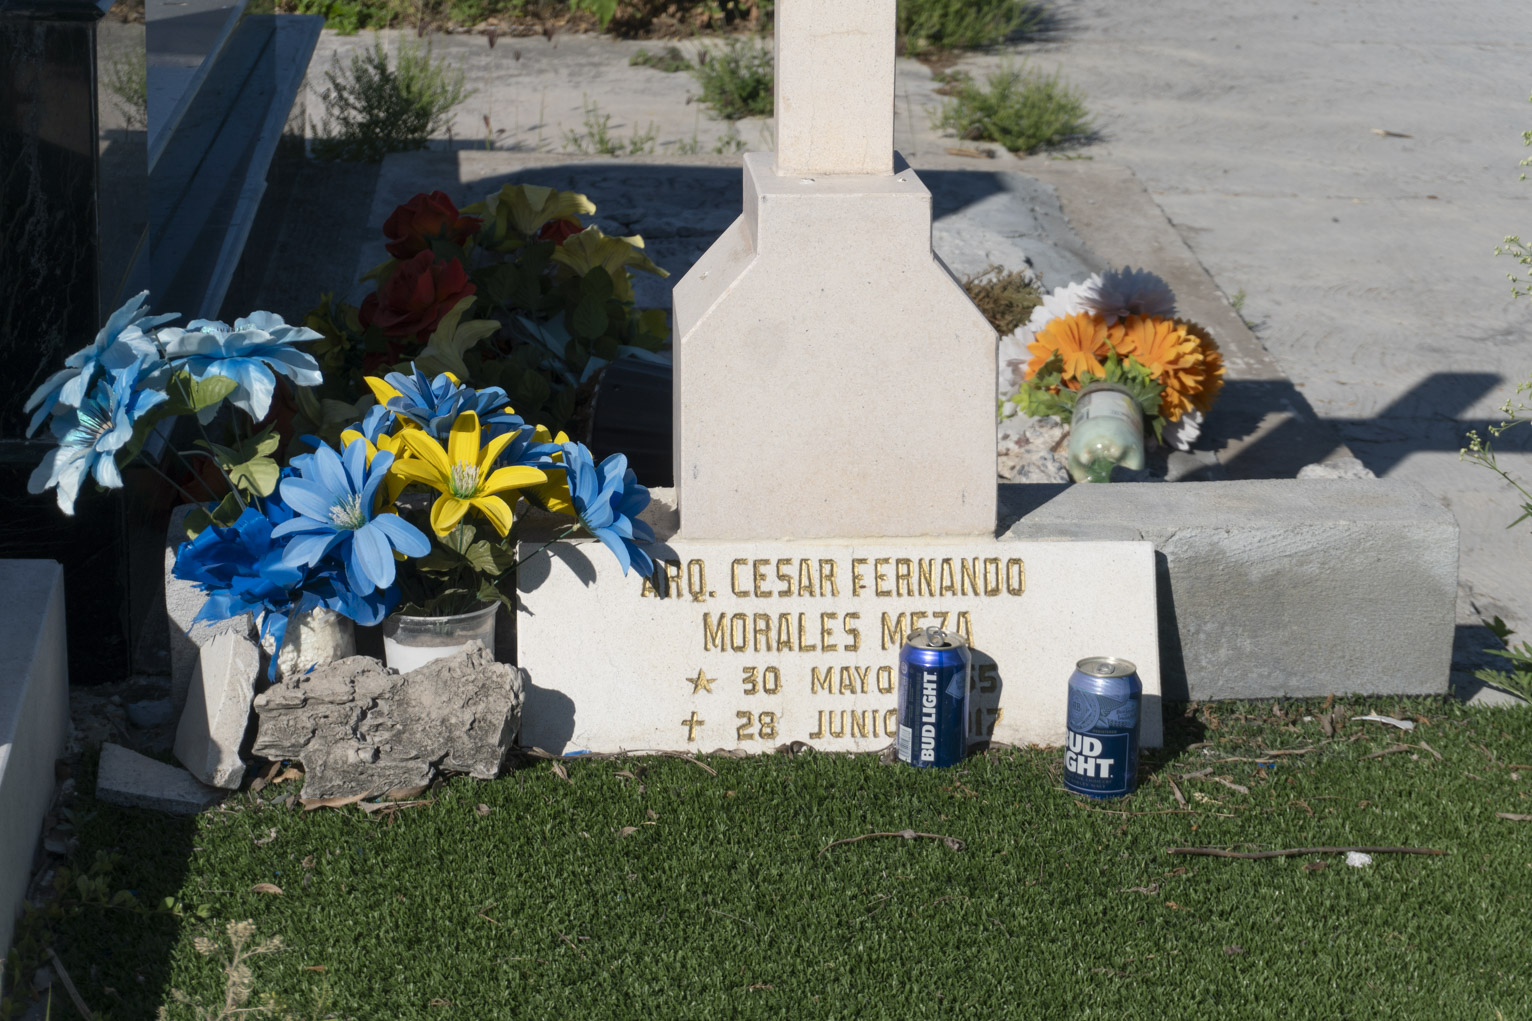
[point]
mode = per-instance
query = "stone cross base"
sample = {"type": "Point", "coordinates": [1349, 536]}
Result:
{"type": "Point", "coordinates": [750, 645]}
{"type": "Point", "coordinates": [831, 377]}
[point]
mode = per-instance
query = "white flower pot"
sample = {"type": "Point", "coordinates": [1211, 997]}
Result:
{"type": "Point", "coordinates": [410, 642]}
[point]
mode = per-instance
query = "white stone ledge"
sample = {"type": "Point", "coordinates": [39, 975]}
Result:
{"type": "Point", "coordinates": [34, 717]}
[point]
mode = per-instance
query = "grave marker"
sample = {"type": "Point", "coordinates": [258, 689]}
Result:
{"type": "Point", "coordinates": [835, 474]}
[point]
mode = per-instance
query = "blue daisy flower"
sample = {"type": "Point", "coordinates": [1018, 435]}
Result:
{"type": "Point", "coordinates": [607, 500]}
{"type": "Point", "coordinates": [251, 353]}
{"type": "Point", "coordinates": [121, 342]}
{"type": "Point", "coordinates": [90, 436]}
{"type": "Point", "coordinates": [332, 502]}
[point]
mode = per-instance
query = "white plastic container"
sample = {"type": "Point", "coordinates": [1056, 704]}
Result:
{"type": "Point", "coordinates": [410, 642]}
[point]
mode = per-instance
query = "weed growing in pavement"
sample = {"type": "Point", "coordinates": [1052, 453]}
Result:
{"type": "Point", "coordinates": [1021, 108]}
{"type": "Point", "coordinates": [737, 79]}
{"type": "Point", "coordinates": [1006, 298]}
{"type": "Point", "coordinates": [375, 106]}
{"type": "Point", "coordinates": [927, 26]}
{"type": "Point", "coordinates": [127, 79]}
{"type": "Point", "coordinates": [597, 138]}
{"type": "Point", "coordinates": [671, 61]}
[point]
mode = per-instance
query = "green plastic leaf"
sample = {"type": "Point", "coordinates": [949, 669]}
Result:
{"type": "Point", "coordinates": [589, 318]}
{"type": "Point", "coordinates": [596, 284]}
{"type": "Point", "coordinates": [481, 557]}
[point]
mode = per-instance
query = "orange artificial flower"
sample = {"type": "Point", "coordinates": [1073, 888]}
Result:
{"type": "Point", "coordinates": [1080, 340]}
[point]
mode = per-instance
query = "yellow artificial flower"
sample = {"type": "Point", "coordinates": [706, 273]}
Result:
{"type": "Point", "coordinates": [1176, 357]}
{"type": "Point", "coordinates": [590, 248]}
{"type": "Point", "coordinates": [525, 208]}
{"type": "Point", "coordinates": [464, 474]}
{"type": "Point", "coordinates": [552, 495]}
{"type": "Point", "coordinates": [1080, 340]}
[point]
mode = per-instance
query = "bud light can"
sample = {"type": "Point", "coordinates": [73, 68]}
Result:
{"type": "Point", "coordinates": [1101, 759]}
{"type": "Point", "coordinates": [933, 698]}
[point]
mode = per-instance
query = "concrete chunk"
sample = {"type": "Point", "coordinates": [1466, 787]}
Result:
{"type": "Point", "coordinates": [360, 728]}
{"type": "Point", "coordinates": [217, 710]}
{"type": "Point", "coordinates": [128, 778]}
{"type": "Point", "coordinates": [183, 601]}
{"type": "Point", "coordinates": [1279, 587]}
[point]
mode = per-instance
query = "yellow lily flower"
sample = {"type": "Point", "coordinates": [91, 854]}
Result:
{"type": "Point", "coordinates": [525, 208]}
{"type": "Point", "coordinates": [464, 474]}
{"type": "Point", "coordinates": [591, 248]}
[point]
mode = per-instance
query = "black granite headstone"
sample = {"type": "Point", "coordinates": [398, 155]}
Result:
{"type": "Point", "coordinates": [51, 292]}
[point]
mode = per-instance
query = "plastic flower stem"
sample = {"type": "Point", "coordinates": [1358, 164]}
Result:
{"type": "Point", "coordinates": [227, 481]}
{"type": "Point", "coordinates": [188, 466]}
{"type": "Point", "coordinates": [566, 533]}
{"type": "Point", "coordinates": [181, 489]}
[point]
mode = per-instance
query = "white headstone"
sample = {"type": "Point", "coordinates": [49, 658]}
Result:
{"type": "Point", "coordinates": [834, 471]}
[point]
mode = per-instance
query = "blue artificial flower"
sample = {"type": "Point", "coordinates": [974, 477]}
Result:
{"type": "Point", "coordinates": [607, 501]}
{"type": "Point", "coordinates": [333, 503]}
{"type": "Point", "coordinates": [90, 436]}
{"type": "Point", "coordinates": [434, 404]}
{"type": "Point", "coordinates": [240, 567]}
{"type": "Point", "coordinates": [249, 353]}
{"type": "Point", "coordinates": [528, 449]}
{"type": "Point", "coordinates": [121, 342]}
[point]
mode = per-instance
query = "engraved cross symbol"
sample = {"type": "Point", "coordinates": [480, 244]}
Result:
{"type": "Point", "coordinates": [691, 726]}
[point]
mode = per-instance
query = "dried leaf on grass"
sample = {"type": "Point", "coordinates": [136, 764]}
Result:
{"type": "Point", "coordinates": [271, 835]}
{"type": "Point", "coordinates": [560, 772]}
{"type": "Point", "coordinates": [1513, 816]}
{"type": "Point", "coordinates": [271, 888]}
{"type": "Point", "coordinates": [952, 842]}
{"type": "Point", "coordinates": [309, 804]}
{"type": "Point", "coordinates": [482, 809]}
{"type": "Point", "coordinates": [627, 831]}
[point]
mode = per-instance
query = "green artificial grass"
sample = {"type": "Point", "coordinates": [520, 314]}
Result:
{"type": "Point", "coordinates": [718, 902]}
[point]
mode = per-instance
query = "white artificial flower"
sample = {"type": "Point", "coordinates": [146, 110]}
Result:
{"type": "Point", "coordinates": [1064, 301]}
{"type": "Point", "coordinates": [1183, 432]}
{"type": "Point", "coordinates": [1119, 293]}
{"type": "Point", "coordinates": [1011, 360]}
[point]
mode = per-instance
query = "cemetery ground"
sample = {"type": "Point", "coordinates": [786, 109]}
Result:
{"type": "Point", "coordinates": [730, 887]}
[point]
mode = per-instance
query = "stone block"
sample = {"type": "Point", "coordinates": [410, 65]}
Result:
{"type": "Point", "coordinates": [834, 86]}
{"type": "Point", "coordinates": [183, 601]}
{"type": "Point", "coordinates": [125, 777]}
{"type": "Point", "coordinates": [212, 726]}
{"type": "Point", "coordinates": [825, 304]}
{"type": "Point", "coordinates": [744, 646]}
{"type": "Point", "coordinates": [34, 717]}
{"type": "Point", "coordinates": [360, 728]}
{"type": "Point", "coordinates": [1278, 587]}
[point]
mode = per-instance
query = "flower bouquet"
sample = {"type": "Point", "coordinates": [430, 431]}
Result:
{"type": "Point", "coordinates": [1118, 328]}
{"type": "Point", "coordinates": [515, 292]}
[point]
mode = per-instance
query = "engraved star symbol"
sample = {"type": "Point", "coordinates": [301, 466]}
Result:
{"type": "Point", "coordinates": [702, 682]}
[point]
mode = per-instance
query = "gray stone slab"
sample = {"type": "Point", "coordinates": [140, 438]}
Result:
{"type": "Point", "coordinates": [125, 777]}
{"type": "Point", "coordinates": [1271, 587]}
{"type": "Point", "coordinates": [212, 727]}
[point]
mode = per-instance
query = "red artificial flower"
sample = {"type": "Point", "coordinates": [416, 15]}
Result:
{"type": "Point", "coordinates": [411, 227]}
{"type": "Point", "coordinates": [559, 231]}
{"type": "Point", "coordinates": [416, 296]}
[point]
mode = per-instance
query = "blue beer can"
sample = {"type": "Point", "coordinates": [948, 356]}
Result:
{"type": "Point", "coordinates": [934, 666]}
{"type": "Point", "coordinates": [1101, 757]}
